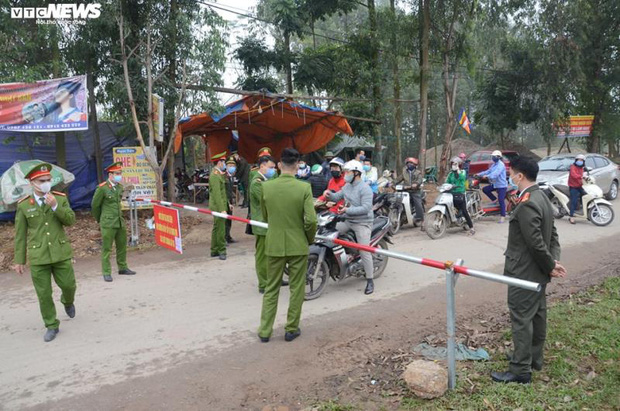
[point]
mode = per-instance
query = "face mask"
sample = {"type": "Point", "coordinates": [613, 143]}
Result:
{"type": "Point", "coordinates": [410, 167]}
{"type": "Point", "coordinates": [232, 169]}
{"type": "Point", "coordinates": [270, 172]}
{"type": "Point", "coordinates": [495, 159]}
{"type": "Point", "coordinates": [515, 182]}
{"type": "Point", "coordinates": [366, 168]}
{"type": "Point", "coordinates": [348, 177]}
{"type": "Point", "coordinates": [117, 178]}
{"type": "Point", "coordinates": [335, 173]}
{"type": "Point", "coordinates": [455, 167]}
{"type": "Point", "coordinates": [579, 163]}
{"type": "Point", "coordinates": [45, 187]}
{"type": "Point", "coordinates": [362, 158]}
{"type": "Point", "coordinates": [302, 166]}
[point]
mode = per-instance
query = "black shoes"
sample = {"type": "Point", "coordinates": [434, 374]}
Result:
{"type": "Point", "coordinates": [50, 334]}
{"type": "Point", "coordinates": [107, 278]}
{"type": "Point", "coordinates": [291, 336]}
{"type": "Point", "coordinates": [126, 271]}
{"type": "Point", "coordinates": [230, 240]}
{"type": "Point", "coordinates": [222, 257]}
{"type": "Point", "coordinates": [263, 339]}
{"type": "Point", "coordinates": [261, 291]}
{"type": "Point", "coordinates": [284, 283]}
{"type": "Point", "coordinates": [214, 254]}
{"type": "Point", "coordinates": [70, 310]}
{"type": "Point", "coordinates": [370, 287]}
{"type": "Point", "coordinates": [507, 377]}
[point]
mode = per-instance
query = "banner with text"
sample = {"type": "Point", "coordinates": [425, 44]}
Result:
{"type": "Point", "coordinates": [577, 126]}
{"type": "Point", "coordinates": [137, 174]}
{"type": "Point", "coordinates": [168, 228]}
{"type": "Point", "coordinates": [47, 105]}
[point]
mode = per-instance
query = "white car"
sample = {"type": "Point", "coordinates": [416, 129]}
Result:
{"type": "Point", "coordinates": [554, 170]}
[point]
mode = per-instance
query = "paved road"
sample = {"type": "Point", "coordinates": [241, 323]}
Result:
{"type": "Point", "coordinates": [184, 309]}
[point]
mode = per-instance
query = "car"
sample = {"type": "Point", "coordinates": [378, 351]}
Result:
{"type": "Point", "coordinates": [480, 161]}
{"type": "Point", "coordinates": [554, 169]}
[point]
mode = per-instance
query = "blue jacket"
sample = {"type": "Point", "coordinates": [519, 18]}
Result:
{"type": "Point", "coordinates": [496, 175]}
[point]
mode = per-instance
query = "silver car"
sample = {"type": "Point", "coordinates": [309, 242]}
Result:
{"type": "Point", "coordinates": [554, 170]}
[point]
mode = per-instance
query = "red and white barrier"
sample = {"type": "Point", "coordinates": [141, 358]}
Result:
{"type": "Point", "coordinates": [516, 282]}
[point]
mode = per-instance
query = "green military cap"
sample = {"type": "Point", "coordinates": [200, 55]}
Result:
{"type": "Point", "coordinates": [43, 169]}
{"type": "Point", "coordinates": [219, 157]}
{"type": "Point", "coordinates": [231, 160]}
{"type": "Point", "coordinates": [116, 166]}
{"type": "Point", "coordinates": [329, 154]}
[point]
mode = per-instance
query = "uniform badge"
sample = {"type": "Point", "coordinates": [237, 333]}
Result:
{"type": "Point", "coordinates": [525, 198]}
{"type": "Point", "coordinates": [43, 168]}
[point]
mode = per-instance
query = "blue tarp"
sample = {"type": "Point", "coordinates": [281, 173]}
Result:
{"type": "Point", "coordinates": [80, 155]}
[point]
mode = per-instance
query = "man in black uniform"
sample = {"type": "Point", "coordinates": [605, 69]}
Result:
{"type": "Point", "coordinates": [243, 176]}
{"type": "Point", "coordinates": [532, 254]}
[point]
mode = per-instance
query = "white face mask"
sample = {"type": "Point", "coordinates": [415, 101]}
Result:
{"type": "Point", "coordinates": [455, 167]}
{"type": "Point", "coordinates": [44, 187]}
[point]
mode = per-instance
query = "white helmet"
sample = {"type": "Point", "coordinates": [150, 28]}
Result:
{"type": "Point", "coordinates": [496, 153]}
{"type": "Point", "coordinates": [456, 160]}
{"type": "Point", "coordinates": [337, 161]}
{"type": "Point", "coordinates": [580, 157]}
{"type": "Point", "coordinates": [354, 165]}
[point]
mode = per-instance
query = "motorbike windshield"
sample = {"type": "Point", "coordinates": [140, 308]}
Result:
{"type": "Point", "coordinates": [556, 164]}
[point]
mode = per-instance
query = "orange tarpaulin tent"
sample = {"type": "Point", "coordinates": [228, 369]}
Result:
{"type": "Point", "coordinates": [257, 121]}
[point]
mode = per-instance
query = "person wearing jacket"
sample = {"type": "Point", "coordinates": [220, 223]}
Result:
{"type": "Point", "coordinates": [371, 175]}
{"type": "Point", "coordinates": [336, 183]}
{"type": "Point", "coordinates": [358, 213]}
{"type": "Point", "coordinates": [457, 178]}
{"type": "Point", "coordinates": [497, 177]}
{"type": "Point", "coordinates": [412, 180]}
{"type": "Point", "coordinates": [318, 183]}
{"type": "Point", "coordinates": [329, 156]}
{"type": "Point", "coordinates": [575, 184]}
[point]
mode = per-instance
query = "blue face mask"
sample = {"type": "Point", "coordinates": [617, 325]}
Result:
{"type": "Point", "coordinates": [117, 178]}
{"type": "Point", "coordinates": [495, 159]}
{"type": "Point", "coordinates": [579, 163]}
{"type": "Point", "coordinates": [232, 169]}
{"type": "Point", "coordinates": [348, 177]}
{"type": "Point", "coordinates": [270, 173]}
{"type": "Point", "coordinates": [366, 168]}
{"type": "Point", "coordinates": [362, 158]}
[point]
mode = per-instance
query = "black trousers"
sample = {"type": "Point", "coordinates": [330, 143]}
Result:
{"type": "Point", "coordinates": [461, 204]}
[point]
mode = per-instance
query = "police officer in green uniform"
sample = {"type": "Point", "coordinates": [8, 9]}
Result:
{"type": "Point", "coordinates": [288, 207]}
{"type": "Point", "coordinates": [263, 152]}
{"type": "Point", "coordinates": [266, 171]}
{"type": "Point", "coordinates": [532, 254]}
{"type": "Point", "coordinates": [218, 202]}
{"type": "Point", "coordinates": [39, 233]}
{"type": "Point", "coordinates": [106, 208]}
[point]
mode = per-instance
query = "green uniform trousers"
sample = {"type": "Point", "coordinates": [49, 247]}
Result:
{"type": "Point", "coordinates": [109, 237]}
{"type": "Point", "coordinates": [528, 315]}
{"type": "Point", "coordinates": [297, 267]}
{"type": "Point", "coordinates": [260, 260]}
{"type": "Point", "coordinates": [218, 236]}
{"type": "Point", "coordinates": [62, 271]}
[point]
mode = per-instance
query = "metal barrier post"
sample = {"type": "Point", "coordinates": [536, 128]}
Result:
{"type": "Point", "coordinates": [133, 219]}
{"type": "Point", "coordinates": [451, 278]}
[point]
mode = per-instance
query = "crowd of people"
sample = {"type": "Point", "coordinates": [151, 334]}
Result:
{"type": "Point", "coordinates": [283, 193]}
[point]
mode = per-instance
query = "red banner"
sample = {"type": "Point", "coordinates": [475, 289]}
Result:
{"type": "Point", "coordinates": [168, 228]}
{"type": "Point", "coordinates": [576, 126]}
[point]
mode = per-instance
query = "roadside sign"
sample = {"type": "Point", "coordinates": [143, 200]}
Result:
{"type": "Point", "coordinates": [137, 173]}
{"type": "Point", "coordinates": [168, 228]}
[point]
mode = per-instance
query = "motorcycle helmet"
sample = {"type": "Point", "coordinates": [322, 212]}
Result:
{"type": "Point", "coordinates": [496, 153]}
{"type": "Point", "coordinates": [354, 165]}
{"type": "Point", "coordinates": [456, 160]}
{"type": "Point", "coordinates": [580, 157]}
{"type": "Point", "coordinates": [463, 156]}
{"type": "Point", "coordinates": [337, 161]}
{"type": "Point", "coordinates": [412, 160]}
{"type": "Point", "coordinates": [316, 169]}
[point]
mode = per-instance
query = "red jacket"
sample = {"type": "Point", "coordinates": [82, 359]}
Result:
{"type": "Point", "coordinates": [335, 184]}
{"type": "Point", "coordinates": [575, 176]}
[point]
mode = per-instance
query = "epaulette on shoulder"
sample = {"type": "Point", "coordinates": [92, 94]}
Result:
{"type": "Point", "coordinates": [525, 198]}
{"type": "Point", "coordinates": [254, 168]}
{"type": "Point", "coordinates": [22, 199]}
{"type": "Point", "coordinates": [102, 184]}
{"type": "Point", "coordinates": [58, 193]}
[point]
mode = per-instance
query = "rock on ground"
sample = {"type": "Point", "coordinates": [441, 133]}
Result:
{"type": "Point", "coordinates": [426, 379]}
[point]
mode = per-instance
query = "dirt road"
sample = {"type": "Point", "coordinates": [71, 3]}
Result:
{"type": "Point", "coordinates": [181, 334]}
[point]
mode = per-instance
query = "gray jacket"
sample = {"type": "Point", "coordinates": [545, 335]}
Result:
{"type": "Point", "coordinates": [358, 197]}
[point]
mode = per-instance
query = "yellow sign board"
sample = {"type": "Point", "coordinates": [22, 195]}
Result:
{"type": "Point", "coordinates": [137, 173]}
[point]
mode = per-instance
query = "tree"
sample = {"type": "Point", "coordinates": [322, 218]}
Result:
{"type": "Point", "coordinates": [425, 26]}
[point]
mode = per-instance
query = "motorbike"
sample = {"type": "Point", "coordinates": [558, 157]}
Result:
{"type": "Point", "coordinates": [444, 215]}
{"type": "Point", "coordinates": [406, 214]}
{"type": "Point", "coordinates": [327, 259]}
{"type": "Point", "coordinates": [200, 176]}
{"type": "Point", "coordinates": [391, 206]}
{"type": "Point", "coordinates": [592, 207]}
{"type": "Point", "coordinates": [494, 209]}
